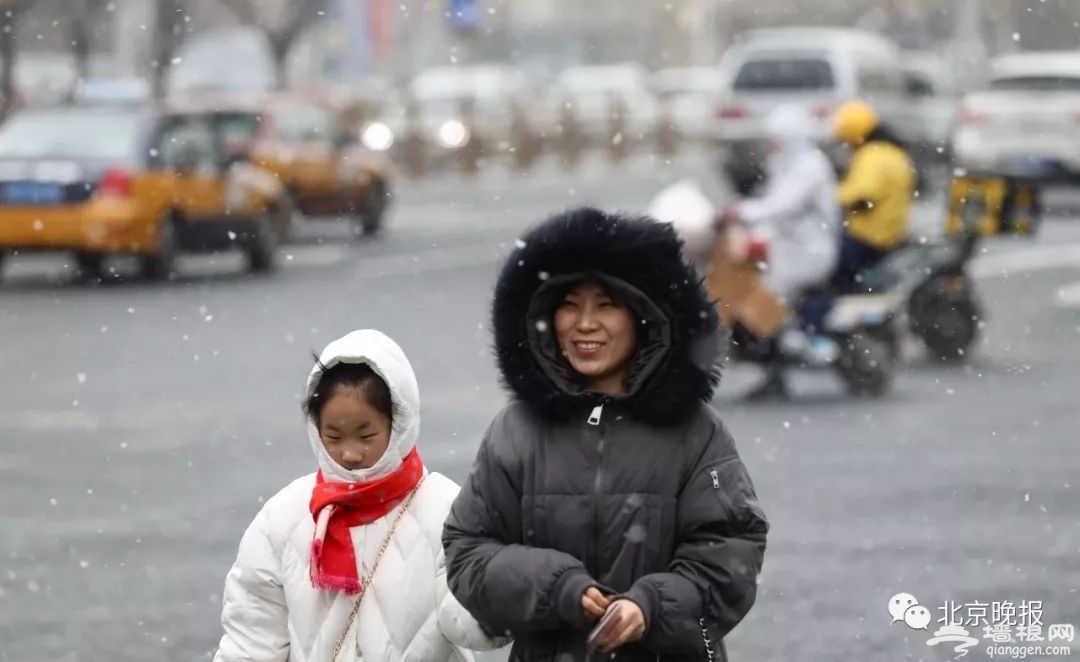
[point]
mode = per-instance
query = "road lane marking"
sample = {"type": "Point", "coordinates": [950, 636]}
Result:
{"type": "Point", "coordinates": [312, 256]}
{"type": "Point", "coordinates": [1040, 258]}
{"type": "Point", "coordinates": [1068, 296]}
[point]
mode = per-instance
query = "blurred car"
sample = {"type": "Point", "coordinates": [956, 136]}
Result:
{"type": "Point", "coordinates": [816, 67]}
{"type": "Point", "coordinates": [1027, 123]}
{"type": "Point", "coordinates": [452, 110]}
{"type": "Point", "coordinates": [324, 169]}
{"type": "Point", "coordinates": [131, 179]}
{"type": "Point", "coordinates": [690, 96]}
{"type": "Point", "coordinates": [934, 90]}
{"type": "Point", "coordinates": [594, 92]}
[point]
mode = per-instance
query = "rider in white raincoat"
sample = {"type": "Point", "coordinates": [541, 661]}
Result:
{"type": "Point", "coordinates": [800, 217]}
{"type": "Point", "coordinates": [798, 212]}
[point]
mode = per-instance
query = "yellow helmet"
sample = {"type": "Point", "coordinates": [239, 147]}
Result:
{"type": "Point", "coordinates": [854, 121]}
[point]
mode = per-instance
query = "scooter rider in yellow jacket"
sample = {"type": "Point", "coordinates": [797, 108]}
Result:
{"type": "Point", "coordinates": [875, 194]}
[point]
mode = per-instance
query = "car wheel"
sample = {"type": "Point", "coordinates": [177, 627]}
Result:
{"type": "Point", "coordinates": [281, 213]}
{"type": "Point", "coordinates": [90, 266]}
{"type": "Point", "coordinates": [865, 365]}
{"type": "Point", "coordinates": [945, 319]}
{"type": "Point", "coordinates": [162, 264]}
{"type": "Point", "coordinates": [374, 208]}
{"type": "Point", "coordinates": [261, 245]}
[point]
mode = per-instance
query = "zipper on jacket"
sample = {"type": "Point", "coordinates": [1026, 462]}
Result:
{"type": "Point", "coordinates": [594, 419]}
{"type": "Point", "coordinates": [597, 414]}
{"type": "Point", "coordinates": [715, 479]}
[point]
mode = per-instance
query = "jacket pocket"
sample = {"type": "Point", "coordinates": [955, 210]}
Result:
{"type": "Point", "coordinates": [729, 485]}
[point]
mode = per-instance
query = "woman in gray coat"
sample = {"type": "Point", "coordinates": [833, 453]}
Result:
{"type": "Point", "coordinates": [608, 479]}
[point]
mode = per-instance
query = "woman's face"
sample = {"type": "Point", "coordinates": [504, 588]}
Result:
{"type": "Point", "coordinates": [354, 433]}
{"type": "Point", "coordinates": [597, 336]}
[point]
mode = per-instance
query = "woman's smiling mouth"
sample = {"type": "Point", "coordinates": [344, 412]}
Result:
{"type": "Point", "coordinates": [587, 347]}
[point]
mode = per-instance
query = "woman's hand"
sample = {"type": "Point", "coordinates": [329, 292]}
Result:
{"type": "Point", "coordinates": [628, 626]}
{"type": "Point", "coordinates": [594, 603]}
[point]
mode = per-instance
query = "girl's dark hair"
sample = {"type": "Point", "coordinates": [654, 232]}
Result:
{"type": "Point", "coordinates": [359, 376]}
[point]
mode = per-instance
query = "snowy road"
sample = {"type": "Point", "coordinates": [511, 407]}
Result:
{"type": "Point", "coordinates": [141, 426]}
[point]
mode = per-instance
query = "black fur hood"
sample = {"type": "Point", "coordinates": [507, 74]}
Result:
{"type": "Point", "coordinates": [676, 366]}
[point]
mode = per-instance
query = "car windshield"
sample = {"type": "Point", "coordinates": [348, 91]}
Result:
{"type": "Point", "coordinates": [237, 127]}
{"type": "Point", "coordinates": [1037, 84]}
{"type": "Point", "coordinates": [71, 133]}
{"type": "Point", "coordinates": [785, 74]}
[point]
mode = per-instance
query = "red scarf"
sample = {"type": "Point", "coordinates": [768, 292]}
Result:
{"type": "Point", "coordinates": [337, 507]}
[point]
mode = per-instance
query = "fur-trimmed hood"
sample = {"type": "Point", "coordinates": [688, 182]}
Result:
{"type": "Point", "coordinates": [676, 366]}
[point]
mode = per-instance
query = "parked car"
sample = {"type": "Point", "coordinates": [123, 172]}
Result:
{"type": "Point", "coordinates": [128, 179]}
{"type": "Point", "coordinates": [689, 96]}
{"type": "Point", "coordinates": [935, 93]}
{"type": "Point", "coordinates": [1027, 123]}
{"type": "Point", "coordinates": [820, 68]}
{"type": "Point", "coordinates": [454, 114]}
{"type": "Point", "coordinates": [596, 92]}
{"type": "Point", "coordinates": [317, 157]}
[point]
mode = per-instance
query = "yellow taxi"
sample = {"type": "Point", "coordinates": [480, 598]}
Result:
{"type": "Point", "coordinates": [132, 179]}
{"type": "Point", "coordinates": [312, 151]}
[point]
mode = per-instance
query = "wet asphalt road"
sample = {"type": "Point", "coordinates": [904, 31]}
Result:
{"type": "Point", "coordinates": [141, 427]}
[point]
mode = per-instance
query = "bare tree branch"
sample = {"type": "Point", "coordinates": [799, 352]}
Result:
{"type": "Point", "coordinates": [80, 32]}
{"type": "Point", "coordinates": [243, 10]}
{"type": "Point", "coordinates": [168, 28]}
{"type": "Point", "coordinates": [302, 16]}
{"type": "Point", "coordinates": [10, 13]}
{"type": "Point", "coordinates": [299, 15]}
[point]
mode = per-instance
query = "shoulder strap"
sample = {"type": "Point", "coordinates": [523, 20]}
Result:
{"type": "Point", "coordinates": [366, 581]}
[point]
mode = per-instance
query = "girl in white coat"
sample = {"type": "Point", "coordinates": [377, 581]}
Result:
{"type": "Point", "coordinates": [347, 563]}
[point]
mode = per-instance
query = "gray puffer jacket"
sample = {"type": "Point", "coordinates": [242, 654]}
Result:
{"type": "Point", "coordinates": [642, 495]}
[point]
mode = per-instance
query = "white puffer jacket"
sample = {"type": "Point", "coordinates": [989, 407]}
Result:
{"type": "Point", "coordinates": [273, 613]}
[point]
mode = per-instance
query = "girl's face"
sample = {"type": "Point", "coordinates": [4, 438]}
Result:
{"type": "Point", "coordinates": [354, 433]}
{"type": "Point", "coordinates": [597, 336]}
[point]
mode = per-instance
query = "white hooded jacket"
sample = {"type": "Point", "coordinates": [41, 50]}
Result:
{"type": "Point", "coordinates": [271, 611]}
{"type": "Point", "coordinates": [798, 211]}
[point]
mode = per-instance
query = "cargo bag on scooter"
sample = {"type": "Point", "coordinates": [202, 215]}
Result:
{"type": "Point", "coordinates": [740, 294]}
